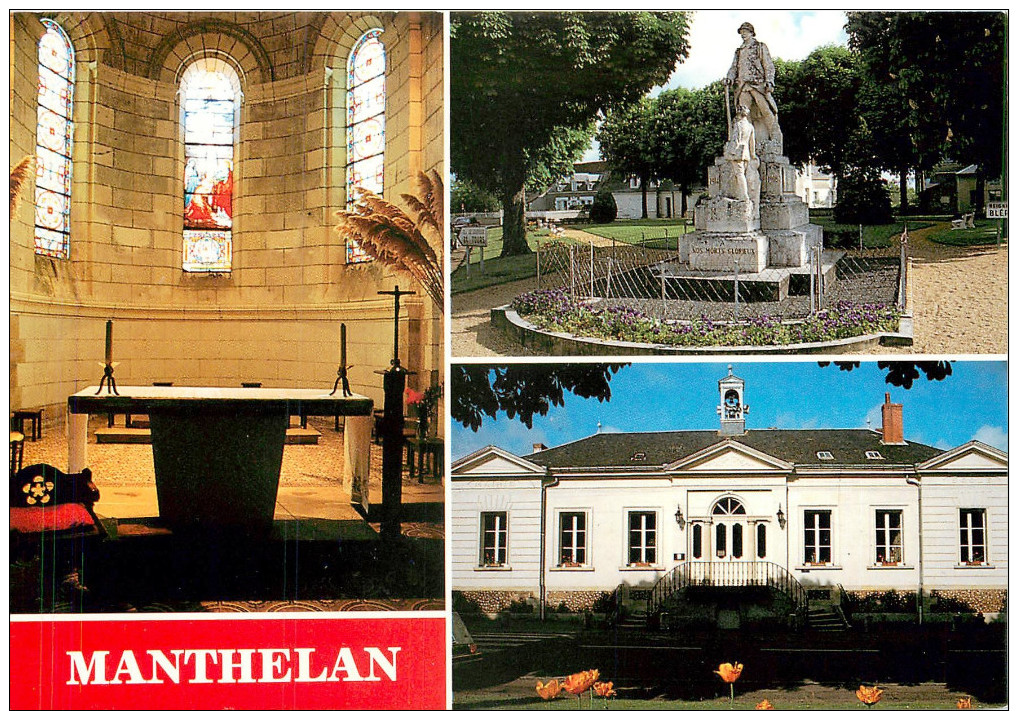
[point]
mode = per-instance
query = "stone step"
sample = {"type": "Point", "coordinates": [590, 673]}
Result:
{"type": "Point", "coordinates": [141, 435]}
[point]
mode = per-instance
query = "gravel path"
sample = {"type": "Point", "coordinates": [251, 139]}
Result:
{"type": "Point", "coordinates": [959, 299]}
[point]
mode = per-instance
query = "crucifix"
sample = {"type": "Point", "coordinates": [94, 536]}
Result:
{"type": "Point", "coordinates": [107, 378]}
{"type": "Point", "coordinates": [341, 374]}
{"type": "Point", "coordinates": [393, 385]}
{"type": "Point", "coordinates": [396, 293]}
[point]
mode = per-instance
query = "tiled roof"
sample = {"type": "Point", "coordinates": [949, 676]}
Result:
{"type": "Point", "coordinates": [800, 447]}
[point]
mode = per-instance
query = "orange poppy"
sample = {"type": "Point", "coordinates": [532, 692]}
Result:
{"type": "Point", "coordinates": [765, 704]}
{"type": "Point", "coordinates": [550, 690]}
{"type": "Point", "coordinates": [729, 673]}
{"type": "Point", "coordinates": [965, 702]}
{"type": "Point", "coordinates": [869, 695]}
{"type": "Point", "coordinates": [605, 689]}
{"type": "Point", "coordinates": [581, 681]}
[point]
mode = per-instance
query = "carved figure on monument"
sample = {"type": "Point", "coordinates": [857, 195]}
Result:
{"type": "Point", "coordinates": [752, 74]}
{"type": "Point", "coordinates": [741, 177]}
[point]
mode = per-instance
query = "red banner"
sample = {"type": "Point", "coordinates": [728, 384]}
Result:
{"type": "Point", "coordinates": [283, 662]}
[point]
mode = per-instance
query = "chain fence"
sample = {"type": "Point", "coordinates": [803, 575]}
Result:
{"type": "Point", "coordinates": [655, 281]}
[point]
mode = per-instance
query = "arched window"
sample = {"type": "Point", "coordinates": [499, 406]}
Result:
{"type": "Point", "coordinates": [365, 124]}
{"type": "Point", "coordinates": [210, 94]}
{"type": "Point", "coordinates": [53, 139]}
{"type": "Point", "coordinates": [728, 506]}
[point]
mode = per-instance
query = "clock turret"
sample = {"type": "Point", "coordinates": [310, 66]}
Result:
{"type": "Point", "coordinates": [733, 407]}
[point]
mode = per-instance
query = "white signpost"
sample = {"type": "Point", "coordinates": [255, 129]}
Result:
{"type": "Point", "coordinates": [998, 211]}
{"type": "Point", "coordinates": [475, 236]}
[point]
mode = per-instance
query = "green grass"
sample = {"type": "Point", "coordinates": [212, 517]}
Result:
{"type": "Point", "coordinates": [985, 233]}
{"type": "Point", "coordinates": [656, 234]}
{"type": "Point", "coordinates": [499, 270]}
{"type": "Point", "coordinates": [873, 236]}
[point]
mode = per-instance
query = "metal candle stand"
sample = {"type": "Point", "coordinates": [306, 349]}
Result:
{"type": "Point", "coordinates": [107, 379]}
{"type": "Point", "coordinates": [391, 427]}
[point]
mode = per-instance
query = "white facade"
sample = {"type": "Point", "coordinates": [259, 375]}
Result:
{"type": "Point", "coordinates": [896, 515]}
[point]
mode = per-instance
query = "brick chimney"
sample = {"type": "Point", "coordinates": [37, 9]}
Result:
{"type": "Point", "coordinates": [541, 446]}
{"type": "Point", "coordinates": [894, 429]}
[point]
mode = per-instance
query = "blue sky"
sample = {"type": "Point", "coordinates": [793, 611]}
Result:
{"type": "Point", "coordinates": [969, 404]}
{"type": "Point", "coordinates": [714, 36]}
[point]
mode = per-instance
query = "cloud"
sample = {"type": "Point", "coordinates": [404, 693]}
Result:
{"type": "Point", "coordinates": [788, 35]}
{"type": "Point", "coordinates": [993, 436]}
{"type": "Point", "coordinates": [875, 418]}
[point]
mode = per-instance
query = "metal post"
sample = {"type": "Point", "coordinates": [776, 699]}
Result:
{"type": "Point", "coordinates": [572, 270]}
{"type": "Point", "coordinates": [468, 262]}
{"type": "Point", "coordinates": [903, 281]}
{"type": "Point", "coordinates": [592, 270]}
{"type": "Point", "coordinates": [820, 277]}
{"type": "Point", "coordinates": [812, 286]}
{"type": "Point", "coordinates": [608, 284]}
{"type": "Point", "coordinates": [482, 259]}
{"type": "Point", "coordinates": [736, 261]}
{"type": "Point", "coordinates": [537, 250]}
{"type": "Point", "coordinates": [860, 237]}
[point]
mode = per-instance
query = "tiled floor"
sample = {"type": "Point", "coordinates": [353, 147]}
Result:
{"type": "Point", "coordinates": [323, 555]}
{"type": "Point", "coordinates": [310, 485]}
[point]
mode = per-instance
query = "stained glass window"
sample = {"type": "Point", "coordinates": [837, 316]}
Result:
{"type": "Point", "coordinates": [53, 137]}
{"type": "Point", "coordinates": [210, 92]}
{"type": "Point", "coordinates": [365, 124]}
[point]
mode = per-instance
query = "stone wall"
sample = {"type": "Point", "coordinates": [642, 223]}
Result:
{"type": "Point", "coordinates": [492, 601]}
{"type": "Point", "coordinates": [576, 600]}
{"type": "Point", "coordinates": [979, 600]}
{"type": "Point", "coordinates": [274, 317]}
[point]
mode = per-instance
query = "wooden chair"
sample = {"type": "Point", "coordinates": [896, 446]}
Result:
{"type": "Point", "coordinates": [34, 416]}
{"type": "Point", "coordinates": [17, 452]}
{"type": "Point", "coordinates": [47, 503]}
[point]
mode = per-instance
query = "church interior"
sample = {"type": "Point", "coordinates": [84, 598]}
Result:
{"type": "Point", "coordinates": [178, 241]}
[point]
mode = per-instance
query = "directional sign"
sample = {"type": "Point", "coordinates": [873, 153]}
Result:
{"type": "Point", "coordinates": [473, 236]}
{"type": "Point", "coordinates": [997, 210]}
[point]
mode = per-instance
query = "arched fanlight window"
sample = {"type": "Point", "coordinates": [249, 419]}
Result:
{"type": "Point", "coordinates": [728, 506]}
{"type": "Point", "coordinates": [210, 94]}
{"type": "Point", "coordinates": [53, 138]}
{"type": "Point", "coordinates": [365, 124]}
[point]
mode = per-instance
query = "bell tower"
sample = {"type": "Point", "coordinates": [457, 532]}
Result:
{"type": "Point", "coordinates": [733, 407]}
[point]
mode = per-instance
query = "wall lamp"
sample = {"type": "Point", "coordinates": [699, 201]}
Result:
{"type": "Point", "coordinates": [679, 519]}
{"type": "Point", "coordinates": [781, 517]}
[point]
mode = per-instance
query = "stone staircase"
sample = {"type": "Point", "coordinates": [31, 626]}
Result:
{"type": "Point", "coordinates": [828, 619]}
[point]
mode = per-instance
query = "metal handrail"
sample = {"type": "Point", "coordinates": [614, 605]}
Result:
{"type": "Point", "coordinates": [728, 574]}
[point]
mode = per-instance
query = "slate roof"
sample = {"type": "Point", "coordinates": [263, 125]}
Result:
{"type": "Point", "coordinates": [799, 447]}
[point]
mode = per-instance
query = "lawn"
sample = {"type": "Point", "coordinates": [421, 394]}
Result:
{"type": "Point", "coordinates": [873, 236]}
{"type": "Point", "coordinates": [985, 233]}
{"type": "Point", "coordinates": [656, 234]}
{"type": "Point", "coordinates": [499, 270]}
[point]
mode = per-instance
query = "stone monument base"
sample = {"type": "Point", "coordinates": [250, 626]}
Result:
{"type": "Point", "coordinates": [722, 251]}
{"type": "Point", "coordinates": [680, 281]}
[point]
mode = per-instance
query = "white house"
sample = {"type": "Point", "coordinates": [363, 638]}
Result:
{"type": "Point", "coordinates": [858, 508]}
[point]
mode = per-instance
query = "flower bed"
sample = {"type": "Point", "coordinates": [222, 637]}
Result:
{"type": "Point", "coordinates": [557, 310]}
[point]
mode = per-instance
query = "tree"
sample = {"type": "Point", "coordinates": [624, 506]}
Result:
{"type": "Point", "coordinates": [467, 197]}
{"type": "Point", "coordinates": [628, 146]}
{"type": "Point", "coordinates": [604, 209]}
{"type": "Point", "coordinates": [690, 132]}
{"type": "Point", "coordinates": [902, 373]}
{"type": "Point", "coordinates": [938, 85]}
{"type": "Point", "coordinates": [817, 104]}
{"type": "Point", "coordinates": [522, 391]}
{"type": "Point", "coordinates": [521, 81]}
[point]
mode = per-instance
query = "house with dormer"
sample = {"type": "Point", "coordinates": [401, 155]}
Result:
{"type": "Point", "coordinates": [807, 511]}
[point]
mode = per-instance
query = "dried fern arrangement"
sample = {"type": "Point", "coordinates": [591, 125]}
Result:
{"type": "Point", "coordinates": [19, 174]}
{"type": "Point", "coordinates": [399, 240]}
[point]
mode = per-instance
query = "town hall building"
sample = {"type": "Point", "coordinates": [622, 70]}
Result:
{"type": "Point", "coordinates": [823, 510]}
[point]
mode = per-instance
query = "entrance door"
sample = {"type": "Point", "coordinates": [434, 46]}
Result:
{"type": "Point", "coordinates": [729, 531]}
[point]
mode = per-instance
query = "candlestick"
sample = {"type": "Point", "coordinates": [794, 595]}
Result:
{"type": "Point", "coordinates": [109, 341]}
